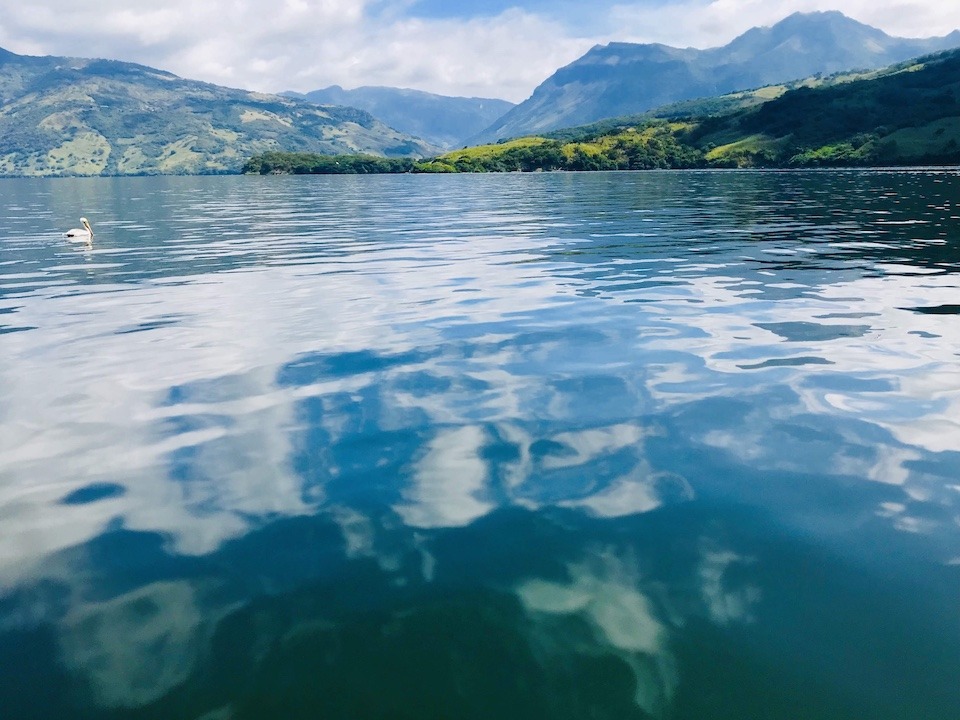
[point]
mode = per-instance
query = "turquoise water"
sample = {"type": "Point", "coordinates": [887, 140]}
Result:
{"type": "Point", "coordinates": [656, 445]}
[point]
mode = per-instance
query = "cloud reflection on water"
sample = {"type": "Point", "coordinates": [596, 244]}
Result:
{"type": "Point", "coordinates": [899, 378]}
{"type": "Point", "coordinates": [134, 648]}
{"type": "Point", "coordinates": [82, 410]}
{"type": "Point", "coordinates": [401, 411]}
{"type": "Point", "coordinates": [606, 592]}
{"type": "Point", "coordinates": [446, 482]}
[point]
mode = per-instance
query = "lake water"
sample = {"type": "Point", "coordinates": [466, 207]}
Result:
{"type": "Point", "coordinates": [655, 445]}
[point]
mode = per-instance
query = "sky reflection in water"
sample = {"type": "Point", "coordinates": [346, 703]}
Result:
{"type": "Point", "coordinates": [672, 445]}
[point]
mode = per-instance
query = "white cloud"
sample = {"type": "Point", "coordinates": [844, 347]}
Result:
{"type": "Point", "coordinates": [709, 24]}
{"type": "Point", "coordinates": [302, 46]}
{"type": "Point", "coordinates": [503, 56]}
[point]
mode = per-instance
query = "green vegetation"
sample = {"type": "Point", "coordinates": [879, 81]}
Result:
{"type": "Point", "coordinates": [70, 116]}
{"type": "Point", "coordinates": [908, 114]}
{"type": "Point", "coordinates": [303, 163]}
{"type": "Point", "coordinates": [620, 79]}
{"type": "Point", "coordinates": [653, 145]}
{"type": "Point", "coordinates": [722, 105]}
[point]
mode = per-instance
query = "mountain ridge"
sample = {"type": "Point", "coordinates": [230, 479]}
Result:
{"type": "Point", "coordinates": [907, 114]}
{"type": "Point", "coordinates": [91, 116]}
{"type": "Point", "coordinates": [626, 78]}
{"type": "Point", "coordinates": [443, 120]}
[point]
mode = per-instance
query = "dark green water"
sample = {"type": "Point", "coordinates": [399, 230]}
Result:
{"type": "Point", "coordinates": [659, 445]}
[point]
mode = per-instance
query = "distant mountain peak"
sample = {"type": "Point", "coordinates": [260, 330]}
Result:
{"type": "Point", "coordinates": [439, 119]}
{"type": "Point", "coordinates": [831, 23]}
{"type": "Point", "coordinates": [625, 78]}
{"type": "Point", "coordinates": [817, 15]}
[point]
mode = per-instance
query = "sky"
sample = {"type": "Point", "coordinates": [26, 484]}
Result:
{"type": "Point", "coordinates": [478, 48]}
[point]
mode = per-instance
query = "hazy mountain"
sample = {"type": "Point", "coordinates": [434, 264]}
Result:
{"type": "Point", "coordinates": [623, 78]}
{"type": "Point", "coordinates": [438, 119]}
{"type": "Point", "coordinates": [73, 116]}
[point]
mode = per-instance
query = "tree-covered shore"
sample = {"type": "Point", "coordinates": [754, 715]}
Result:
{"type": "Point", "coordinates": [650, 147]}
{"type": "Point", "coordinates": [906, 115]}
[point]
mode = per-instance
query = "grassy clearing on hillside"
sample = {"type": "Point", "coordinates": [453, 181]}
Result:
{"type": "Point", "coordinates": [86, 153]}
{"type": "Point", "coordinates": [743, 152]}
{"type": "Point", "coordinates": [482, 151]}
{"type": "Point", "coordinates": [940, 138]}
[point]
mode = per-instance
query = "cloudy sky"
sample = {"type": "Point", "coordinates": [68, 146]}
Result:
{"type": "Point", "coordinates": [489, 48]}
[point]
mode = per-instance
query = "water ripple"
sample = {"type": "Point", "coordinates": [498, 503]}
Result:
{"type": "Point", "coordinates": [629, 425]}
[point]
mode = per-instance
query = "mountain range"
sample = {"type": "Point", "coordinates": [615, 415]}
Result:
{"type": "Point", "coordinates": [438, 119]}
{"type": "Point", "coordinates": [75, 116]}
{"type": "Point", "coordinates": [907, 114]}
{"type": "Point", "coordinates": [624, 78]}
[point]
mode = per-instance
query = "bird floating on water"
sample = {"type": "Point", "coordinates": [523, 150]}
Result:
{"type": "Point", "coordinates": [84, 233]}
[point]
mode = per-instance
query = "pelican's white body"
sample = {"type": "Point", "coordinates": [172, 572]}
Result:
{"type": "Point", "coordinates": [84, 233]}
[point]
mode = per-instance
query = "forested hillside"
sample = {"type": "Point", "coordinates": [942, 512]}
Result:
{"type": "Point", "coordinates": [627, 78]}
{"type": "Point", "coordinates": [908, 114]}
{"type": "Point", "coordinates": [76, 116]}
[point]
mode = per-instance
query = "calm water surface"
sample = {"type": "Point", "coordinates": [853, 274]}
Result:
{"type": "Point", "coordinates": [658, 445]}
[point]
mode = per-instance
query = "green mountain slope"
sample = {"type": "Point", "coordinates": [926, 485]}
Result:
{"type": "Point", "coordinates": [721, 105]}
{"type": "Point", "coordinates": [908, 114]}
{"type": "Point", "coordinates": [71, 116]}
{"type": "Point", "coordinates": [625, 78]}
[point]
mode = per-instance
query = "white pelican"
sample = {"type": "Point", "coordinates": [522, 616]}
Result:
{"type": "Point", "coordinates": [84, 233]}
